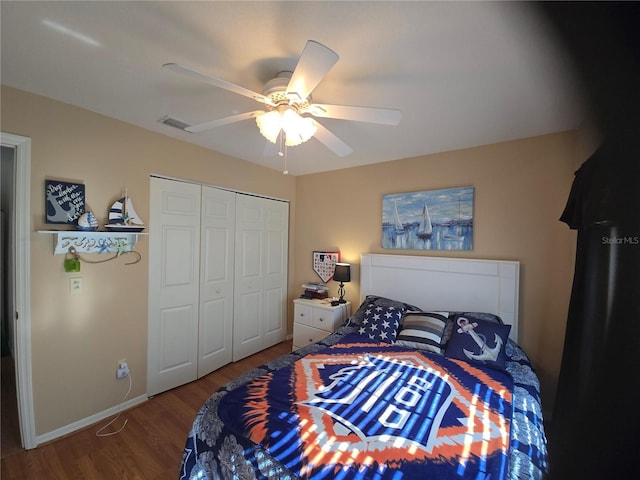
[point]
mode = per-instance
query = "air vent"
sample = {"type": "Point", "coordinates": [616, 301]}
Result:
{"type": "Point", "coordinates": [174, 122]}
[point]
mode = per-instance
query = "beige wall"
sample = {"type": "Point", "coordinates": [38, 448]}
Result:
{"type": "Point", "coordinates": [521, 188]}
{"type": "Point", "coordinates": [77, 339]}
{"type": "Point", "coordinates": [520, 191]}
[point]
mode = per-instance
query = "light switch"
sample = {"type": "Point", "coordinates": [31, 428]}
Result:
{"type": "Point", "coordinates": [75, 285]}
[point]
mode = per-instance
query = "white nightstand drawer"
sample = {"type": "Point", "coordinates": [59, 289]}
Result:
{"type": "Point", "coordinates": [304, 314]}
{"type": "Point", "coordinates": [303, 335]}
{"type": "Point", "coordinates": [315, 319]}
{"type": "Point", "coordinates": [327, 319]}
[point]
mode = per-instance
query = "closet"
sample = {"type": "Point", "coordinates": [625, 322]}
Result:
{"type": "Point", "coordinates": [217, 279]}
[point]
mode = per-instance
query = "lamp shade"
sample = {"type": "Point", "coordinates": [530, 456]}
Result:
{"type": "Point", "coordinates": [269, 125]}
{"type": "Point", "coordinates": [342, 273]}
{"type": "Point", "coordinates": [297, 129]}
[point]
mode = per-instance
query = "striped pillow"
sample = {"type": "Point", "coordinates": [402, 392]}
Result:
{"type": "Point", "coordinates": [423, 331]}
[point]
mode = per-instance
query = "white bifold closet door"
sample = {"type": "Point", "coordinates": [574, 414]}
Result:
{"type": "Point", "coordinates": [262, 227]}
{"type": "Point", "coordinates": [193, 307]}
{"type": "Point", "coordinates": [217, 232]}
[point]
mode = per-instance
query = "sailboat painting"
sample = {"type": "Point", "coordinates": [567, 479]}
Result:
{"type": "Point", "coordinates": [428, 220]}
{"type": "Point", "coordinates": [123, 217]}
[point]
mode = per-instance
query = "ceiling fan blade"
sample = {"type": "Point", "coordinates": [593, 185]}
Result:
{"type": "Point", "coordinates": [201, 127]}
{"type": "Point", "coordinates": [385, 116]}
{"type": "Point", "coordinates": [330, 141]}
{"type": "Point", "coordinates": [218, 82]}
{"type": "Point", "coordinates": [314, 63]}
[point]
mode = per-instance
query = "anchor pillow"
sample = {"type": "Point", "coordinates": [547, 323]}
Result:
{"type": "Point", "coordinates": [476, 340]}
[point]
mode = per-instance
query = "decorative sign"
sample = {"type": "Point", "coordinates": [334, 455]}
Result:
{"type": "Point", "coordinates": [324, 264]}
{"type": "Point", "coordinates": [95, 242]}
{"type": "Point", "coordinates": [65, 201]}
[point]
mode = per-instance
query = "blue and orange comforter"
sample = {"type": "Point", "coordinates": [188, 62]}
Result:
{"type": "Point", "coordinates": [355, 409]}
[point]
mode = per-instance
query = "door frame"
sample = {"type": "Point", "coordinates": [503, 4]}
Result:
{"type": "Point", "coordinates": [22, 279]}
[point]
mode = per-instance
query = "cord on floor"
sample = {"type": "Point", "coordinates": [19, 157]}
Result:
{"type": "Point", "coordinates": [100, 432]}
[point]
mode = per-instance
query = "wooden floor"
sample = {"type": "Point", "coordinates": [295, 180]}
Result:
{"type": "Point", "coordinates": [150, 446]}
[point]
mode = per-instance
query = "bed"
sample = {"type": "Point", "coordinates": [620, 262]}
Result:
{"type": "Point", "coordinates": [425, 380]}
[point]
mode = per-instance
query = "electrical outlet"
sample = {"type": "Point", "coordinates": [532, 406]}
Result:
{"type": "Point", "coordinates": [123, 369]}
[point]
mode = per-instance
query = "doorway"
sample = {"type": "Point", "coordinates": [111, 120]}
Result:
{"type": "Point", "coordinates": [17, 392]}
{"type": "Point", "coordinates": [11, 441]}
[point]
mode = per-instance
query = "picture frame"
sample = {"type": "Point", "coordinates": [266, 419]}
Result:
{"type": "Point", "coordinates": [64, 201]}
{"type": "Point", "coordinates": [429, 220]}
{"type": "Point", "coordinates": [324, 264]}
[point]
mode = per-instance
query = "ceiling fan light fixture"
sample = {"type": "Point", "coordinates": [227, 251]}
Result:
{"type": "Point", "coordinates": [297, 129]}
{"type": "Point", "coordinates": [269, 125]}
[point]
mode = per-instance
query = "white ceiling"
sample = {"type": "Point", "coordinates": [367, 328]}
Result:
{"type": "Point", "coordinates": [462, 74]}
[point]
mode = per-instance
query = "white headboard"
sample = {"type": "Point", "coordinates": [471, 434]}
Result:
{"type": "Point", "coordinates": [438, 283]}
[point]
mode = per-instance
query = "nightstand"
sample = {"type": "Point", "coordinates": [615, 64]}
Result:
{"type": "Point", "coordinates": [315, 319]}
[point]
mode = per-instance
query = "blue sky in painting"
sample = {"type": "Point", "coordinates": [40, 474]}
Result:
{"type": "Point", "coordinates": [442, 205]}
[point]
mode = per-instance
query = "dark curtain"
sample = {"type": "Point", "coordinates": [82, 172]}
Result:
{"type": "Point", "coordinates": [595, 429]}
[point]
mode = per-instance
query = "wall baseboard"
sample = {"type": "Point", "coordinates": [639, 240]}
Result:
{"type": "Point", "coordinates": [88, 421]}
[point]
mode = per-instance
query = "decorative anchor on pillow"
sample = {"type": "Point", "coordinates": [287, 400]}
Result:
{"type": "Point", "coordinates": [486, 352]}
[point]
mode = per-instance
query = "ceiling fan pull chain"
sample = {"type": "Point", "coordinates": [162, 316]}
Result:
{"type": "Point", "coordinates": [281, 143]}
{"type": "Point", "coordinates": [286, 151]}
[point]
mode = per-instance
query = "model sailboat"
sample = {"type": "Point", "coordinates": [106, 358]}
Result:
{"type": "Point", "coordinates": [123, 217]}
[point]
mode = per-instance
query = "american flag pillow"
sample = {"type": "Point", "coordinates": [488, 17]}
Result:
{"type": "Point", "coordinates": [381, 322]}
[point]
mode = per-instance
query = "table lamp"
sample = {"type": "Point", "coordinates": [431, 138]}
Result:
{"type": "Point", "coordinates": [342, 274]}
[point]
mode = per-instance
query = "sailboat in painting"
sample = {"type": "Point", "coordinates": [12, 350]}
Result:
{"type": "Point", "coordinates": [426, 230]}
{"type": "Point", "coordinates": [396, 219]}
{"type": "Point", "coordinates": [123, 217]}
{"type": "Point", "coordinates": [457, 235]}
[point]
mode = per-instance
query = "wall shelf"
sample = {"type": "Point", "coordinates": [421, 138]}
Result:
{"type": "Point", "coordinates": [93, 242]}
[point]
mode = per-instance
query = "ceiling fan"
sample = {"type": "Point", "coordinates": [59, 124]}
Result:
{"type": "Point", "coordinates": [289, 108]}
